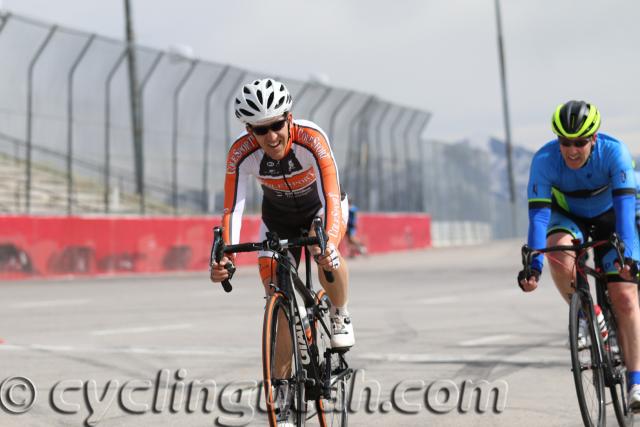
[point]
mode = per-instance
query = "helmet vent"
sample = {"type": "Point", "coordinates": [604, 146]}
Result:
{"type": "Point", "coordinates": [270, 100]}
{"type": "Point", "coordinates": [269, 84]}
{"type": "Point", "coordinates": [259, 94]}
{"type": "Point", "coordinates": [252, 105]}
{"type": "Point", "coordinates": [279, 102]}
{"type": "Point", "coordinates": [246, 90]}
{"type": "Point", "coordinates": [245, 112]}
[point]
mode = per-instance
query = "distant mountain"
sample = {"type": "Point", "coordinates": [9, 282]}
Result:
{"type": "Point", "coordinates": [499, 177]}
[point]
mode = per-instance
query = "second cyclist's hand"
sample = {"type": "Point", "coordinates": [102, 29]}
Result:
{"type": "Point", "coordinates": [629, 270]}
{"type": "Point", "coordinates": [218, 273]}
{"type": "Point", "coordinates": [330, 260]}
{"type": "Point", "coordinates": [528, 284]}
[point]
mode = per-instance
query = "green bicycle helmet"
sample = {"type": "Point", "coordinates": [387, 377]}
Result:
{"type": "Point", "coordinates": [575, 119]}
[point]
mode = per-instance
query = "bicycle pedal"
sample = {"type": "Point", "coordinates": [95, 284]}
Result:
{"type": "Point", "coordinates": [341, 350]}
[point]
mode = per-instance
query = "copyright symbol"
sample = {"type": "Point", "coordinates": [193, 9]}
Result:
{"type": "Point", "coordinates": [17, 395]}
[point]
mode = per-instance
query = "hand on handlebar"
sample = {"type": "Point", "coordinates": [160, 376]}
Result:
{"type": "Point", "coordinates": [222, 270]}
{"type": "Point", "coordinates": [629, 270]}
{"type": "Point", "coordinates": [528, 284]}
{"type": "Point", "coordinates": [330, 261]}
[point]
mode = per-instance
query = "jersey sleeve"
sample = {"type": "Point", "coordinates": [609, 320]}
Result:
{"type": "Point", "coordinates": [235, 184]}
{"type": "Point", "coordinates": [623, 185]}
{"type": "Point", "coordinates": [326, 172]}
{"type": "Point", "coordinates": [637, 177]}
{"type": "Point", "coordinates": [539, 198]}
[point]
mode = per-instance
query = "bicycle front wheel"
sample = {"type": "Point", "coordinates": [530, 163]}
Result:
{"type": "Point", "coordinates": [617, 375]}
{"type": "Point", "coordinates": [282, 369]}
{"type": "Point", "coordinates": [587, 369]}
{"type": "Point", "coordinates": [333, 405]}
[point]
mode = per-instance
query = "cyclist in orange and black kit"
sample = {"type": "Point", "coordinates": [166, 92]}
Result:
{"type": "Point", "coordinates": [295, 166]}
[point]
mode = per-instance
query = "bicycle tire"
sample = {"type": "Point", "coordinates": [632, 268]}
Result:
{"type": "Point", "coordinates": [617, 372]}
{"type": "Point", "coordinates": [590, 391]}
{"type": "Point", "coordinates": [284, 397]}
{"type": "Point", "coordinates": [332, 410]}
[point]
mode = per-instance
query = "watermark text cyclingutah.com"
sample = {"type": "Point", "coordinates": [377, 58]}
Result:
{"type": "Point", "coordinates": [239, 402]}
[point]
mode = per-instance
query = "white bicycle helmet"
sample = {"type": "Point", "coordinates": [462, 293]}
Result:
{"type": "Point", "coordinates": [261, 101]}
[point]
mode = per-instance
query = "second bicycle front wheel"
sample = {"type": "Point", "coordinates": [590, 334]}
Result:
{"type": "Point", "coordinates": [617, 372]}
{"type": "Point", "coordinates": [587, 370]}
{"type": "Point", "coordinates": [283, 384]}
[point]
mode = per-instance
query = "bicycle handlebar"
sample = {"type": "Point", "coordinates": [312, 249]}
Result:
{"type": "Point", "coordinates": [528, 253]}
{"type": "Point", "coordinates": [271, 243]}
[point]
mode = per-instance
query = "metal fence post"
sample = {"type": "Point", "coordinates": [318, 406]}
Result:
{"type": "Point", "coordinates": [354, 143]}
{"type": "Point", "coordinates": [319, 102]}
{"type": "Point", "coordinates": [420, 202]}
{"type": "Point", "coordinates": [334, 115]}
{"type": "Point", "coordinates": [28, 138]}
{"type": "Point", "coordinates": [174, 139]}
{"type": "Point", "coordinates": [362, 158]}
{"type": "Point", "coordinates": [72, 72]}
{"type": "Point", "coordinates": [141, 88]}
{"type": "Point", "coordinates": [4, 18]}
{"type": "Point", "coordinates": [227, 108]}
{"type": "Point", "coordinates": [303, 90]}
{"type": "Point", "coordinates": [207, 132]}
{"type": "Point", "coordinates": [380, 159]}
{"type": "Point", "coordinates": [394, 157]}
{"type": "Point", "coordinates": [371, 161]}
{"type": "Point", "coordinates": [408, 172]}
{"type": "Point", "coordinates": [107, 128]}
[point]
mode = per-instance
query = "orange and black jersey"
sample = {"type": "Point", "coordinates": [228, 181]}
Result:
{"type": "Point", "coordinates": [295, 188]}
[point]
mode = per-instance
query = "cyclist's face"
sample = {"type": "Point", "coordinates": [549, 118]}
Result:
{"type": "Point", "coordinates": [575, 157]}
{"type": "Point", "coordinates": [274, 142]}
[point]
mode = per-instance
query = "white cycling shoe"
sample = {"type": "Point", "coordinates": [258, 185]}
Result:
{"type": "Point", "coordinates": [341, 331]}
{"type": "Point", "coordinates": [634, 399]}
{"type": "Point", "coordinates": [584, 340]}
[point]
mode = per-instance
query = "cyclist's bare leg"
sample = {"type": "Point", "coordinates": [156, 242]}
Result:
{"type": "Point", "coordinates": [283, 335]}
{"type": "Point", "coordinates": [624, 299]}
{"type": "Point", "coordinates": [338, 290]}
{"type": "Point", "coordinates": [562, 265]}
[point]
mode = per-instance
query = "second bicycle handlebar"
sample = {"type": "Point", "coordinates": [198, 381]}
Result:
{"type": "Point", "coordinates": [528, 253]}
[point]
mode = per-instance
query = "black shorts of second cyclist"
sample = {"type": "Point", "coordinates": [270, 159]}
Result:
{"type": "Point", "coordinates": [597, 228]}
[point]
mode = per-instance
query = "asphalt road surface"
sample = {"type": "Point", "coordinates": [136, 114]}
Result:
{"type": "Point", "coordinates": [125, 351]}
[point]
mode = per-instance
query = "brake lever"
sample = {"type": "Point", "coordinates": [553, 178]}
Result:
{"type": "Point", "coordinates": [322, 242]}
{"type": "Point", "coordinates": [526, 260]}
{"type": "Point", "coordinates": [218, 253]}
{"type": "Point", "coordinates": [618, 246]}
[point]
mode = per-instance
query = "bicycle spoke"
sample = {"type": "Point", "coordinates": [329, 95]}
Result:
{"type": "Point", "coordinates": [587, 371]}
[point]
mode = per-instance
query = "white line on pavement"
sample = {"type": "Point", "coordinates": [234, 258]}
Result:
{"type": "Point", "coordinates": [156, 351]}
{"type": "Point", "coordinates": [254, 353]}
{"type": "Point", "coordinates": [437, 300]}
{"type": "Point", "coordinates": [463, 358]}
{"type": "Point", "coordinates": [142, 329]}
{"type": "Point", "coordinates": [49, 303]}
{"type": "Point", "coordinates": [485, 340]}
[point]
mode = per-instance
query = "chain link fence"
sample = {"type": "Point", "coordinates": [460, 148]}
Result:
{"type": "Point", "coordinates": [66, 134]}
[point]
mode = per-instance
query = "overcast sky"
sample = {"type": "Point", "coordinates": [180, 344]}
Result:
{"type": "Point", "coordinates": [438, 55]}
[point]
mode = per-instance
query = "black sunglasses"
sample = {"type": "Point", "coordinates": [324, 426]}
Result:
{"type": "Point", "coordinates": [263, 130]}
{"type": "Point", "coordinates": [579, 143]}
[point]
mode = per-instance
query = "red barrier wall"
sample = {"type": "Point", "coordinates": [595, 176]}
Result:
{"type": "Point", "coordinates": [55, 246]}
